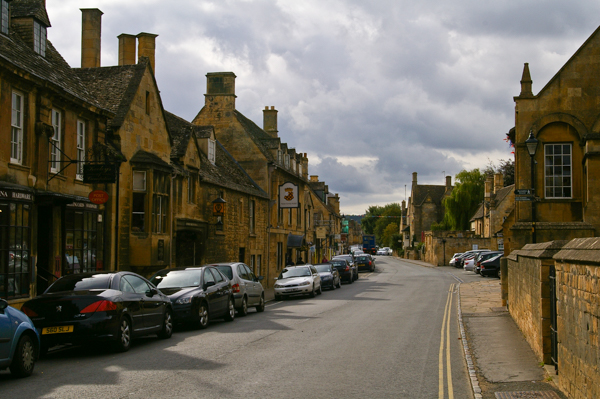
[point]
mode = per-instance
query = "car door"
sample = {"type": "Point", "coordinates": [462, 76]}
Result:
{"type": "Point", "coordinates": [152, 302]}
{"type": "Point", "coordinates": [316, 277]}
{"type": "Point", "coordinates": [224, 288]}
{"type": "Point", "coordinates": [253, 287]}
{"type": "Point", "coordinates": [7, 329]}
{"type": "Point", "coordinates": [213, 294]}
{"type": "Point", "coordinates": [133, 304]}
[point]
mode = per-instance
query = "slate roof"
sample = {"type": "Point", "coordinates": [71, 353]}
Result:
{"type": "Point", "coordinates": [226, 172]}
{"type": "Point", "coordinates": [259, 136]}
{"type": "Point", "coordinates": [30, 8]}
{"type": "Point", "coordinates": [478, 214]}
{"type": "Point", "coordinates": [145, 157]}
{"type": "Point", "coordinates": [503, 192]}
{"type": "Point", "coordinates": [52, 68]}
{"type": "Point", "coordinates": [114, 87]}
{"type": "Point", "coordinates": [421, 191]}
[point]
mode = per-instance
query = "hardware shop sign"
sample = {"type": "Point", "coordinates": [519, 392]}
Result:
{"type": "Point", "coordinates": [288, 195]}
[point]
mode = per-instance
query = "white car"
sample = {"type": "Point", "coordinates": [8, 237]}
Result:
{"type": "Point", "coordinates": [385, 251]}
{"type": "Point", "coordinates": [453, 260]}
{"type": "Point", "coordinates": [298, 280]}
{"type": "Point", "coordinates": [469, 263]}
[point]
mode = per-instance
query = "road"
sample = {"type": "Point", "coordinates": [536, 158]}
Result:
{"type": "Point", "coordinates": [391, 334]}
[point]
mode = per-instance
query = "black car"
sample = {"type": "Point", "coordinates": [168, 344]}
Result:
{"type": "Point", "coordinates": [364, 262]}
{"type": "Point", "coordinates": [491, 266]}
{"type": "Point", "coordinates": [198, 294]}
{"type": "Point", "coordinates": [330, 277]}
{"type": "Point", "coordinates": [344, 269]}
{"type": "Point", "coordinates": [483, 257]}
{"type": "Point", "coordinates": [109, 306]}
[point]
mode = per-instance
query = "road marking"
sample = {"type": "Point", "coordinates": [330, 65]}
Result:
{"type": "Point", "coordinates": [446, 330]}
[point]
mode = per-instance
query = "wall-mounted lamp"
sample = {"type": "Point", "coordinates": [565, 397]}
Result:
{"type": "Point", "coordinates": [219, 211]}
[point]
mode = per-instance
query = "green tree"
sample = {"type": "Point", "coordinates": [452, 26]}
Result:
{"type": "Point", "coordinates": [368, 222]}
{"type": "Point", "coordinates": [506, 167]}
{"type": "Point", "coordinates": [388, 233]}
{"type": "Point", "coordinates": [463, 201]}
{"type": "Point", "coordinates": [378, 218]}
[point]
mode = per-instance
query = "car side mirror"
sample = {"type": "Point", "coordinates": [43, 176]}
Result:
{"type": "Point", "coordinates": [208, 284]}
{"type": "Point", "coordinates": [152, 292]}
{"type": "Point", "coordinates": [3, 305]}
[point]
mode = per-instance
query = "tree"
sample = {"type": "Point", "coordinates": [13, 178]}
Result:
{"type": "Point", "coordinates": [463, 201]}
{"type": "Point", "coordinates": [506, 167]}
{"type": "Point", "coordinates": [388, 233]}
{"type": "Point", "coordinates": [378, 218]}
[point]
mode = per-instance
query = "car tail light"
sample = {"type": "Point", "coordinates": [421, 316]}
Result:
{"type": "Point", "coordinates": [235, 288]}
{"type": "Point", "coordinates": [482, 267]}
{"type": "Point", "coordinates": [28, 312]}
{"type": "Point", "coordinates": [347, 268]}
{"type": "Point", "coordinates": [369, 263]}
{"type": "Point", "coordinates": [100, 306]}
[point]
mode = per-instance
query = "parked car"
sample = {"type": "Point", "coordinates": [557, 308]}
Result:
{"type": "Point", "coordinates": [350, 260]}
{"type": "Point", "coordinates": [385, 251]}
{"type": "Point", "coordinates": [19, 341]}
{"type": "Point", "coordinates": [298, 280]}
{"type": "Point", "coordinates": [364, 262]}
{"type": "Point", "coordinates": [246, 287]}
{"type": "Point", "coordinates": [100, 306]}
{"type": "Point", "coordinates": [484, 256]}
{"type": "Point", "coordinates": [491, 266]}
{"type": "Point", "coordinates": [460, 259]}
{"type": "Point", "coordinates": [330, 277]}
{"type": "Point", "coordinates": [199, 294]}
{"type": "Point", "coordinates": [344, 269]}
{"type": "Point", "coordinates": [469, 262]}
{"type": "Point", "coordinates": [453, 260]}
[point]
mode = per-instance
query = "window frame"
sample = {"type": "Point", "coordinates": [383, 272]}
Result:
{"type": "Point", "coordinates": [17, 131]}
{"type": "Point", "coordinates": [81, 139]}
{"type": "Point", "coordinates": [141, 193]}
{"type": "Point", "coordinates": [56, 140]}
{"type": "Point", "coordinates": [251, 216]}
{"type": "Point", "coordinates": [212, 151]}
{"type": "Point", "coordinates": [160, 202]}
{"type": "Point", "coordinates": [558, 165]}
{"type": "Point", "coordinates": [4, 17]}
{"type": "Point", "coordinates": [40, 36]}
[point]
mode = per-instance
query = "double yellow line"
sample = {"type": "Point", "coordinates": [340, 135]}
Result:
{"type": "Point", "coordinates": [446, 330]}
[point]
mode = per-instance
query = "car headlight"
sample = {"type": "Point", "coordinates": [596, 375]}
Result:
{"type": "Point", "coordinates": [326, 277]}
{"type": "Point", "coordinates": [278, 285]}
{"type": "Point", "coordinates": [183, 301]}
{"type": "Point", "coordinates": [305, 283]}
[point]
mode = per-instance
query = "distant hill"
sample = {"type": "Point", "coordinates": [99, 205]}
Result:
{"type": "Point", "coordinates": [356, 218]}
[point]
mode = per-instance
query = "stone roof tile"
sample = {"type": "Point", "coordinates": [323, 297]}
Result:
{"type": "Point", "coordinates": [30, 8]}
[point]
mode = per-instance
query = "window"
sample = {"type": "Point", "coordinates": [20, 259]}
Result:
{"type": "Point", "coordinates": [290, 216]}
{"type": "Point", "coordinates": [251, 215]}
{"type": "Point", "coordinates": [39, 38]}
{"type": "Point", "coordinates": [299, 216]}
{"type": "Point", "coordinates": [55, 141]}
{"type": "Point", "coordinates": [280, 217]}
{"type": "Point", "coordinates": [287, 161]}
{"type": "Point", "coordinates": [147, 103]}
{"type": "Point", "coordinates": [80, 148]}
{"type": "Point", "coordinates": [294, 166]}
{"type": "Point", "coordinates": [258, 262]}
{"type": "Point", "coordinates": [212, 151]}
{"type": "Point", "coordinates": [4, 17]}
{"type": "Point", "coordinates": [160, 210]}
{"type": "Point", "coordinates": [208, 276]}
{"type": "Point", "coordinates": [252, 263]}
{"type": "Point", "coordinates": [81, 241]}
{"type": "Point", "coordinates": [138, 208]}
{"type": "Point", "coordinates": [16, 139]}
{"type": "Point", "coordinates": [557, 171]}
{"type": "Point", "coordinates": [192, 179]}
{"type": "Point", "coordinates": [139, 285]}
{"type": "Point", "coordinates": [279, 157]}
{"type": "Point", "coordinates": [14, 249]}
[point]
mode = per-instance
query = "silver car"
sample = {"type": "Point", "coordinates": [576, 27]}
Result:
{"type": "Point", "coordinates": [298, 280]}
{"type": "Point", "coordinates": [248, 292]}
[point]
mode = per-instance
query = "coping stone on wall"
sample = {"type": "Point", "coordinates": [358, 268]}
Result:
{"type": "Point", "coordinates": [542, 250]}
{"type": "Point", "coordinates": [580, 250]}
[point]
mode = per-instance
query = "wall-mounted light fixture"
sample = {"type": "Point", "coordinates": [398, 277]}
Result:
{"type": "Point", "coordinates": [219, 211]}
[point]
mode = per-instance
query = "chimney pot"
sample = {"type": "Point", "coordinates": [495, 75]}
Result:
{"type": "Point", "coordinates": [270, 121]}
{"type": "Point", "coordinates": [91, 32]}
{"type": "Point", "coordinates": [147, 47]}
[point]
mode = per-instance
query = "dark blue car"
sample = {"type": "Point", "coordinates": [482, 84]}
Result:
{"type": "Point", "coordinates": [19, 341]}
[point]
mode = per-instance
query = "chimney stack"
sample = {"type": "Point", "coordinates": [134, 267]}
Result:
{"type": "Point", "coordinates": [526, 82]}
{"type": "Point", "coordinates": [414, 178]}
{"type": "Point", "coordinates": [126, 49]}
{"type": "Point", "coordinates": [498, 182]}
{"type": "Point", "coordinates": [314, 179]}
{"type": "Point", "coordinates": [270, 121]}
{"type": "Point", "coordinates": [147, 47]}
{"type": "Point", "coordinates": [448, 181]}
{"type": "Point", "coordinates": [91, 30]}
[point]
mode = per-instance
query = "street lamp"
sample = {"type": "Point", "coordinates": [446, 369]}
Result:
{"type": "Point", "coordinates": [531, 144]}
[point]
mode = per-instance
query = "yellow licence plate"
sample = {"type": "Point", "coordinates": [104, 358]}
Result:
{"type": "Point", "coordinates": [57, 330]}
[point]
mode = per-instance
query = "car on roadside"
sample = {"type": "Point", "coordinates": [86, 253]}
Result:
{"type": "Point", "coordinates": [330, 277]}
{"type": "Point", "coordinates": [345, 271]}
{"type": "Point", "coordinates": [484, 256]}
{"type": "Point", "coordinates": [469, 262]}
{"type": "Point", "coordinates": [491, 266]}
{"type": "Point", "coordinates": [19, 341]}
{"type": "Point", "coordinates": [298, 280]}
{"type": "Point", "coordinates": [453, 260]}
{"type": "Point", "coordinates": [198, 294]}
{"type": "Point", "coordinates": [248, 292]}
{"type": "Point", "coordinates": [350, 260]}
{"type": "Point", "coordinates": [100, 306]}
{"type": "Point", "coordinates": [365, 262]}
{"type": "Point", "coordinates": [459, 262]}
{"type": "Point", "coordinates": [385, 251]}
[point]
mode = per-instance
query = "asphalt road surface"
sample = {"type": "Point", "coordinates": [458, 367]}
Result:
{"type": "Point", "coordinates": [391, 334]}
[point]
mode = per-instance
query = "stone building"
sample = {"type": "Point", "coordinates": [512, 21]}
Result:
{"type": "Point", "coordinates": [565, 120]}
{"type": "Point", "coordinates": [51, 123]}
{"type": "Point", "coordinates": [206, 173]}
{"type": "Point", "coordinates": [327, 221]}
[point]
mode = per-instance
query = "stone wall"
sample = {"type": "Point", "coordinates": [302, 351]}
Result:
{"type": "Point", "coordinates": [441, 245]}
{"type": "Point", "coordinates": [529, 294]}
{"type": "Point", "coordinates": [578, 302]}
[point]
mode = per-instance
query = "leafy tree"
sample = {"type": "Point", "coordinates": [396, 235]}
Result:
{"type": "Point", "coordinates": [389, 231]}
{"type": "Point", "coordinates": [378, 218]}
{"type": "Point", "coordinates": [463, 201]}
{"type": "Point", "coordinates": [506, 167]}
{"type": "Point", "coordinates": [368, 222]}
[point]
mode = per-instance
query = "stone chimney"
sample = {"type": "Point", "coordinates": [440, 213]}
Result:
{"type": "Point", "coordinates": [270, 121]}
{"type": "Point", "coordinates": [126, 49]}
{"type": "Point", "coordinates": [498, 182]}
{"type": "Point", "coordinates": [220, 91]}
{"type": "Point", "coordinates": [147, 47]}
{"type": "Point", "coordinates": [91, 30]}
{"type": "Point", "coordinates": [448, 182]}
{"type": "Point", "coordinates": [334, 202]}
{"type": "Point", "coordinates": [414, 178]}
{"type": "Point", "coordinates": [314, 179]}
{"type": "Point", "coordinates": [489, 186]}
{"type": "Point", "coordinates": [526, 82]}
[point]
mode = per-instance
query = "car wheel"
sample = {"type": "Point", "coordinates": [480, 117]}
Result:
{"type": "Point", "coordinates": [167, 328]}
{"type": "Point", "coordinates": [320, 290]}
{"type": "Point", "coordinates": [339, 283]}
{"type": "Point", "coordinates": [202, 315]}
{"type": "Point", "coordinates": [332, 285]}
{"type": "Point", "coordinates": [312, 293]}
{"type": "Point", "coordinates": [24, 359]}
{"type": "Point", "coordinates": [278, 297]}
{"type": "Point", "coordinates": [230, 315]}
{"type": "Point", "coordinates": [124, 335]}
{"type": "Point", "coordinates": [351, 280]}
{"type": "Point", "coordinates": [243, 310]}
{"type": "Point", "coordinates": [261, 304]}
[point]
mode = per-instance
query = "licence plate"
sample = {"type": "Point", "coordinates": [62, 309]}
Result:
{"type": "Point", "coordinates": [57, 330]}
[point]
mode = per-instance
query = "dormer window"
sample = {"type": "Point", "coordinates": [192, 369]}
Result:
{"type": "Point", "coordinates": [39, 38]}
{"type": "Point", "coordinates": [279, 157]}
{"type": "Point", "coordinates": [287, 161]}
{"type": "Point", "coordinates": [4, 17]}
{"type": "Point", "coordinates": [294, 166]}
{"type": "Point", "coordinates": [212, 151]}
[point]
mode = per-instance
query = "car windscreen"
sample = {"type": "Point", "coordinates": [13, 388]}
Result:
{"type": "Point", "coordinates": [338, 262]}
{"type": "Point", "coordinates": [176, 278]}
{"type": "Point", "coordinates": [323, 268]}
{"type": "Point", "coordinates": [347, 257]}
{"type": "Point", "coordinates": [81, 283]}
{"type": "Point", "coordinates": [362, 259]}
{"type": "Point", "coordinates": [226, 270]}
{"type": "Point", "coordinates": [295, 272]}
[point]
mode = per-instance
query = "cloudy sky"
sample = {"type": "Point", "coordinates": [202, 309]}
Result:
{"type": "Point", "coordinates": [371, 90]}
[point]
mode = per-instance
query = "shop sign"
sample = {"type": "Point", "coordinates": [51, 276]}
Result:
{"type": "Point", "coordinates": [83, 205]}
{"type": "Point", "coordinates": [288, 195]}
{"type": "Point", "coordinates": [321, 232]}
{"type": "Point", "coordinates": [98, 197]}
{"type": "Point", "coordinates": [16, 195]}
{"type": "Point", "coordinates": [99, 173]}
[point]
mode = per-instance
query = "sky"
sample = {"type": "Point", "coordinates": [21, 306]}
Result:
{"type": "Point", "coordinates": [371, 90]}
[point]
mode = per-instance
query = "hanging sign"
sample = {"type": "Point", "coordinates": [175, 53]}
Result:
{"type": "Point", "coordinates": [288, 195]}
{"type": "Point", "coordinates": [98, 197]}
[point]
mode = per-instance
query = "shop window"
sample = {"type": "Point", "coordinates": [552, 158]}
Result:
{"type": "Point", "coordinates": [160, 200]}
{"type": "Point", "coordinates": [55, 140]}
{"type": "Point", "coordinates": [15, 236]}
{"type": "Point", "coordinates": [558, 176]}
{"type": "Point", "coordinates": [138, 207]}
{"type": "Point", "coordinates": [81, 242]}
